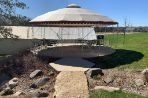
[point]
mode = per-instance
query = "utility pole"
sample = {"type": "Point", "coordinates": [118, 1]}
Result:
{"type": "Point", "coordinates": [125, 29]}
{"type": "Point", "coordinates": [125, 26]}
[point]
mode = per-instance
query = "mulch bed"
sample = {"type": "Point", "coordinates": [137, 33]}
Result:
{"type": "Point", "coordinates": [124, 79]}
{"type": "Point", "coordinates": [22, 64]}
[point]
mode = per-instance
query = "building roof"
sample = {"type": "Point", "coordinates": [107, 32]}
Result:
{"type": "Point", "coordinates": [73, 14]}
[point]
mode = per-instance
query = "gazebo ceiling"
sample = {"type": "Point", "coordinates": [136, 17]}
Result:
{"type": "Point", "coordinates": [72, 15]}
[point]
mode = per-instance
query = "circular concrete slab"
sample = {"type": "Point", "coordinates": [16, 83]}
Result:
{"type": "Point", "coordinates": [77, 51]}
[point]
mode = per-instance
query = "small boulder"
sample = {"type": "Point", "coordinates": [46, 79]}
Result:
{"type": "Point", "coordinates": [91, 83]}
{"type": "Point", "coordinates": [40, 82]}
{"type": "Point", "coordinates": [94, 72]}
{"type": "Point", "coordinates": [108, 80]}
{"type": "Point", "coordinates": [107, 88]}
{"type": "Point", "coordinates": [145, 74]}
{"type": "Point", "coordinates": [42, 93]}
{"type": "Point", "coordinates": [3, 87]}
{"type": "Point", "coordinates": [6, 92]}
{"type": "Point", "coordinates": [51, 73]}
{"type": "Point", "coordinates": [13, 82]}
{"type": "Point", "coordinates": [36, 73]}
{"type": "Point", "coordinates": [139, 82]}
{"type": "Point", "coordinates": [19, 93]}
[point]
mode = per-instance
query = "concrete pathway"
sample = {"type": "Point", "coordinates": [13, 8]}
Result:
{"type": "Point", "coordinates": [71, 82]}
{"type": "Point", "coordinates": [71, 85]}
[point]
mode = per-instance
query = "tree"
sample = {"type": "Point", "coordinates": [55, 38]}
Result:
{"type": "Point", "coordinates": [6, 33]}
{"type": "Point", "coordinates": [19, 20]}
{"type": "Point", "coordinates": [7, 15]}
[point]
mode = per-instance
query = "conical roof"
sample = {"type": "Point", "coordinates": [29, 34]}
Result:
{"type": "Point", "coordinates": [72, 14]}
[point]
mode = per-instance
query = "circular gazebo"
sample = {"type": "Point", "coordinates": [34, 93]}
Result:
{"type": "Point", "coordinates": [72, 30]}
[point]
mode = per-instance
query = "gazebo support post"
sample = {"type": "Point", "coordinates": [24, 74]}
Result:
{"type": "Point", "coordinates": [34, 42]}
{"type": "Point", "coordinates": [28, 32]}
{"type": "Point", "coordinates": [62, 39]}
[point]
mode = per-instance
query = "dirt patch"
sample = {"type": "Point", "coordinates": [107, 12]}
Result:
{"type": "Point", "coordinates": [122, 79]}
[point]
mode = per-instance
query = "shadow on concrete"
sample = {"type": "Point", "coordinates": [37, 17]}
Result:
{"type": "Point", "coordinates": [120, 58]}
{"type": "Point", "coordinates": [74, 62]}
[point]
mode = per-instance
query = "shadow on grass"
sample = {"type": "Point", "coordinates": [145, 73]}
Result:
{"type": "Point", "coordinates": [119, 58]}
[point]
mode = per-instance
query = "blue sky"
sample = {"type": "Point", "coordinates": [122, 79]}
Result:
{"type": "Point", "coordinates": [135, 11]}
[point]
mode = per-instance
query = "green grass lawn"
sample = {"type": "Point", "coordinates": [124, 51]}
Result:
{"type": "Point", "coordinates": [131, 53]}
{"type": "Point", "coordinates": [119, 94]}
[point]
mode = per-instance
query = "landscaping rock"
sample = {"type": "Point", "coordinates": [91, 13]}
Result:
{"type": "Point", "coordinates": [3, 87]}
{"type": "Point", "coordinates": [13, 82]}
{"type": "Point", "coordinates": [32, 90]}
{"type": "Point", "coordinates": [42, 93]}
{"type": "Point", "coordinates": [108, 80]}
{"type": "Point", "coordinates": [107, 88]}
{"type": "Point", "coordinates": [36, 73]}
{"type": "Point", "coordinates": [94, 72]}
{"type": "Point", "coordinates": [40, 82]}
{"type": "Point", "coordinates": [6, 92]}
{"type": "Point", "coordinates": [19, 93]}
{"type": "Point", "coordinates": [50, 73]}
{"type": "Point", "coordinates": [91, 82]}
{"type": "Point", "coordinates": [145, 74]}
{"type": "Point", "coordinates": [139, 82]}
